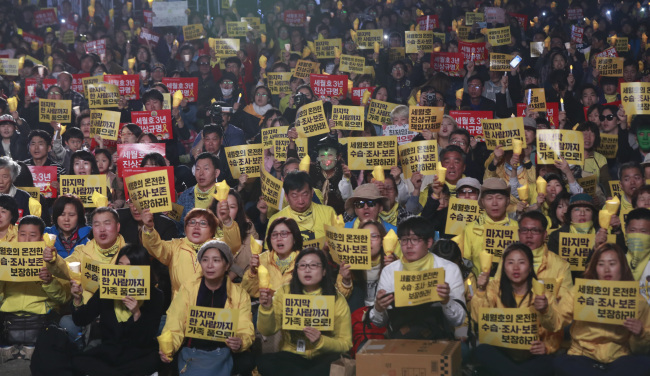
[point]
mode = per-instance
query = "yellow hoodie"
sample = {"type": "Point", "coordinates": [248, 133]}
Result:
{"type": "Point", "coordinates": [251, 283]}
{"type": "Point", "coordinates": [33, 297]}
{"type": "Point", "coordinates": [474, 238]}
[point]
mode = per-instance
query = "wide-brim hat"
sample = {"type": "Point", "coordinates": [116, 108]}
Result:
{"type": "Point", "coordinates": [495, 185]}
{"type": "Point", "coordinates": [368, 192]}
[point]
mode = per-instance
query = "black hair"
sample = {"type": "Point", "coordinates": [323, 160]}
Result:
{"type": "Point", "coordinates": [32, 220]}
{"type": "Point", "coordinates": [133, 128]}
{"type": "Point", "coordinates": [84, 155]}
{"type": "Point", "coordinates": [136, 254]}
{"type": "Point", "coordinates": [552, 209]}
{"type": "Point", "coordinates": [418, 226]}
{"type": "Point", "coordinates": [243, 222]}
{"type": "Point", "coordinates": [156, 158]}
{"type": "Point", "coordinates": [296, 180]}
{"type": "Point", "coordinates": [213, 158]}
{"type": "Point", "coordinates": [232, 59]}
{"type": "Point", "coordinates": [152, 94]}
{"type": "Point", "coordinates": [450, 149]}
{"type": "Point", "coordinates": [72, 132]}
{"type": "Point", "coordinates": [9, 203]}
{"type": "Point", "coordinates": [107, 154]}
{"type": "Point", "coordinates": [535, 215]}
{"type": "Point", "coordinates": [40, 133]}
{"type": "Point", "coordinates": [627, 166]}
{"type": "Point", "coordinates": [638, 214]}
{"type": "Point", "coordinates": [505, 286]}
{"type": "Point", "coordinates": [293, 227]}
{"type": "Point", "coordinates": [213, 128]}
{"type": "Point", "coordinates": [106, 209]}
{"type": "Point", "coordinates": [449, 250]}
{"type": "Point", "coordinates": [326, 284]}
{"type": "Point", "coordinates": [591, 126]}
{"type": "Point", "coordinates": [475, 77]}
{"type": "Point", "coordinates": [461, 131]}
{"type": "Point", "coordinates": [59, 206]}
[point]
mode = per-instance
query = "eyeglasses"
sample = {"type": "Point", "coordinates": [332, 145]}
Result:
{"type": "Point", "coordinates": [534, 231]}
{"type": "Point", "coordinates": [204, 63]}
{"type": "Point", "coordinates": [609, 117]}
{"type": "Point", "coordinates": [474, 86]}
{"type": "Point", "coordinates": [395, 69]}
{"type": "Point", "coordinates": [194, 223]}
{"type": "Point", "coordinates": [362, 203]}
{"type": "Point", "coordinates": [227, 82]}
{"type": "Point", "coordinates": [375, 236]}
{"type": "Point", "coordinates": [281, 234]}
{"type": "Point", "coordinates": [459, 143]}
{"type": "Point", "coordinates": [309, 266]}
{"type": "Point", "coordinates": [261, 95]}
{"type": "Point", "coordinates": [413, 241]}
{"type": "Point", "coordinates": [466, 191]}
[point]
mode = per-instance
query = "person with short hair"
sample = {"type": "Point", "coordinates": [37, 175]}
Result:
{"type": "Point", "coordinates": [14, 138]}
{"type": "Point", "coordinates": [70, 229]}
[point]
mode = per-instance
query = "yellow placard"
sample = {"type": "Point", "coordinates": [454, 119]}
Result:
{"type": "Point", "coordinates": [194, 31]}
{"type": "Point", "coordinates": [608, 145]}
{"type": "Point", "coordinates": [304, 68]}
{"type": "Point", "coordinates": [167, 101]}
{"type": "Point", "coordinates": [105, 124]}
{"type": "Point", "coordinates": [35, 192]}
{"type": "Point", "coordinates": [253, 22]}
{"type": "Point", "coordinates": [83, 186]}
{"type": "Point", "coordinates": [536, 49]}
{"type": "Point", "coordinates": [419, 41]}
{"type": "Point", "coordinates": [348, 117]}
{"type": "Point", "coordinates": [500, 62]}
{"type": "Point", "coordinates": [442, 36]}
{"type": "Point", "coordinates": [351, 246]}
{"type": "Point", "coordinates": [589, 184]}
{"type": "Point", "coordinates": [278, 82]}
{"type": "Point", "coordinates": [553, 143]}
{"type": "Point", "coordinates": [176, 212]}
{"type": "Point", "coordinates": [364, 153]}
{"type": "Point", "coordinates": [634, 96]}
{"type": "Point", "coordinates": [212, 324]}
{"type": "Point", "coordinates": [120, 281]}
{"type": "Point", "coordinates": [422, 117]}
{"type": "Point", "coordinates": [103, 95]}
{"type": "Point", "coordinates": [314, 243]}
{"type": "Point", "coordinates": [325, 48]}
{"type": "Point", "coordinates": [271, 189]}
{"type": "Point", "coordinates": [280, 148]}
{"type": "Point", "coordinates": [535, 99]}
{"type": "Point", "coordinates": [21, 262]}
{"type": "Point", "coordinates": [55, 110]}
{"type": "Point", "coordinates": [366, 38]}
{"type": "Point", "coordinates": [150, 190]}
{"type": "Point", "coordinates": [463, 32]}
{"type": "Point", "coordinates": [496, 238]}
{"type": "Point", "coordinates": [311, 121]}
{"type": "Point", "coordinates": [514, 328]}
{"type": "Point", "coordinates": [418, 287]}
{"type": "Point", "coordinates": [225, 47]}
{"type": "Point", "coordinates": [576, 248]}
{"type": "Point", "coordinates": [394, 54]}
{"type": "Point", "coordinates": [419, 156]}
{"type": "Point", "coordinates": [552, 285]}
{"type": "Point", "coordinates": [269, 134]}
{"type": "Point", "coordinates": [379, 112]}
{"type": "Point", "coordinates": [90, 80]}
{"type": "Point", "coordinates": [502, 132]}
{"type": "Point", "coordinates": [9, 67]}
{"type": "Point", "coordinates": [461, 212]}
{"type": "Point", "coordinates": [610, 66]}
{"type": "Point", "coordinates": [245, 159]}
{"type": "Point", "coordinates": [621, 44]}
{"type": "Point", "coordinates": [300, 311]}
{"type": "Point", "coordinates": [606, 302]}
{"type": "Point", "coordinates": [236, 29]}
{"type": "Point", "coordinates": [68, 37]}
{"type": "Point", "coordinates": [352, 64]}
{"type": "Point", "coordinates": [472, 17]}
{"type": "Point", "coordinates": [499, 36]}
{"type": "Point", "coordinates": [615, 188]}
{"type": "Point", "coordinates": [90, 271]}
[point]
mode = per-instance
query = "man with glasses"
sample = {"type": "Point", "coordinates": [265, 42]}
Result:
{"type": "Point", "coordinates": [228, 91]}
{"type": "Point", "coordinates": [473, 96]}
{"type": "Point", "coordinates": [365, 205]}
{"type": "Point", "coordinates": [425, 321]}
{"type": "Point", "coordinates": [206, 172]}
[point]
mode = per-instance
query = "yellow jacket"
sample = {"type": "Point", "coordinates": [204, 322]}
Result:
{"type": "Point", "coordinates": [311, 223]}
{"type": "Point", "coordinates": [491, 298]}
{"type": "Point", "coordinates": [269, 322]}
{"type": "Point", "coordinates": [11, 235]}
{"type": "Point", "coordinates": [474, 239]}
{"type": "Point", "coordinates": [251, 282]}
{"type": "Point", "coordinates": [602, 342]}
{"type": "Point", "coordinates": [180, 258]}
{"type": "Point", "coordinates": [33, 297]}
{"type": "Point", "coordinates": [525, 177]}
{"type": "Point", "coordinates": [186, 298]}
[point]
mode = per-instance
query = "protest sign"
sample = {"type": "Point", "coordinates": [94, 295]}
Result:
{"type": "Point", "coordinates": [620, 44]}
{"type": "Point", "coordinates": [535, 99]}
{"type": "Point", "coordinates": [279, 82]}
{"type": "Point", "coordinates": [269, 134]}
{"type": "Point", "coordinates": [379, 112]}
{"type": "Point", "coordinates": [300, 311]}
{"type": "Point", "coordinates": [500, 62]}
{"type": "Point", "coordinates": [522, 19]}
{"type": "Point", "coordinates": [43, 176]}
{"type": "Point", "coordinates": [499, 36]}
{"type": "Point", "coordinates": [553, 143]}
{"type": "Point", "coordinates": [401, 131]}
{"type": "Point", "coordinates": [417, 287]}
{"type": "Point", "coordinates": [311, 121]}
{"type": "Point", "coordinates": [396, 53]}
{"type": "Point", "coordinates": [103, 95]}
{"type": "Point", "coordinates": [608, 145]}
{"type": "Point", "coordinates": [577, 34]}
{"type": "Point", "coordinates": [148, 37]}
{"type": "Point", "coordinates": [86, 81]}
{"type": "Point", "coordinates": [423, 117]}
{"type": "Point", "coordinates": [129, 85]}
{"type": "Point", "coordinates": [90, 271]}
{"type": "Point", "coordinates": [574, 14]}
{"type": "Point", "coordinates": [366, 38]}
{"type": "Point", "coordinates": [245, 159]}
{"type": "Point", "coordinates": [130, 155]}
{"type": "Point", "coordinates": [34, 192]}
{"type": "Point", "coordinates": [589, 184]}
{"type": "Point", "coordinates": [21, 262]}
{"type": "Point", "coordinates": [96, 47]}
{"type": "Point", "coordinates": [348, 117]}
{"type": "Point", "coordinates": [605, 302]}
{"type": "Point", "coordinates": [156, 122]}
{"type": "Point", "coordinates": [351, 246]}
{"type": "Point", "coordinates": [352, 64]}
{"type": "Point", "coordinates": [513, 328]}
{"type": "Point", "coordinates": [150, 190]}
{"type": "Point", "coordinates": [295, 17]}
{"type": "Point", "coordinates": [329, 85]}
{"type": "Point", "coordinates": [120, 281]}
{"type": "Point", "coordinates": [366, 153]}
{"type": "Point", "coordinates": [280, 145]}
{"type": "Point", "coordinates": [471, 120]}
{"type": "Point", "coordinates": [502, 132]}
{"type": "Point", "coordinates": [418, 41]}
{"type": "Point", "coordinates": [576, 248]}
{"type": "Point", "coordinates": [428, 22]}
{"type": "Point", "coordinates": [495, 15]}
{"type": "Point", "coordinates": [463, 32]}
{"type": "Point", "coordinates": [225, 47]}
{"type": "Point", "coordinates": [194, 31]}
{"type": "Point", "coordinates": [169, 170]}
{"type": "Point", "coordinates": [236, 29]}
{"type": "Point", "coordinates": [9, 67]}
{"type": "Point", "coordinates": [609, 52]}
{"type": "Point", "coordinates": [461, 213]}
{"type": "Point", "coordinates": [212, 324]}
{"type": "Point", "coordinates": [55, 110]}
{"type": "Point", "coordinates": [536, 49]}
{"type": "Point", "coordinates": [304, 68]}
{"type": "Point", "coordinates": [610, 66]}
{"type": "Point", "coordinates": [189, 86]}
{"type": "Point", "coordinates": [497, 238]}
{"type": "Point", "coordinates": [419, 156]}
{"type": "Point", "coordinates": [169, 13]}
{"type": "Point", "coordinates": [83, 186]}
{"type": "Point", "coordinates": [325, 48]}
{"type": "Point", "coordinates": [45, 17]}
{"type": "Point", "coordinates": [358, 92]}
{"type": "Point", "coordinates": [450, 62]}
{"type": "Point", "coordinates": [271, 189]}
{"type": "Point", "coordinates": [634, 96]}
{"type": "Point", "coordinates": [473, 51]}
{"type": "Point", "coordinates": [105, 124]}
{"type": "Point", "coordinates": [473, 17]}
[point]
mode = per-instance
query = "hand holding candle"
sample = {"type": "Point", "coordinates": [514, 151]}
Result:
{"type": "Point", "coordinates": [442, 173]}
{"type": "Point", "coordinates": [378, 173]}
{"type": "Point", "coordinates": [222, 191]}
{"type": "Point", "coordinates": [612, 205]}
{"type": "Point", "coordinates": [166, 344]}
{"type": "Point", "coordinates": [486, 261]}
{"type": "Point", "coordinates": [541, 185]}
{"type": "Point", "coordinates": [517, 146]}
{"type": "Point", "coordinates": [75, 271]}
{"type": "Point", "coordinates": [263, 277]}
{"type": "Point", "coordinates": [523, 193]}
{"type": "Point", "coordinates": [604, 219]}
{"type": "Point", "coordinates": [305, 163]}
{"type": "Point", "coordinates": [390, 242]}
{"type": "Point", "coordinates": [538, 287]}
{"type": "Point", "coordinates": [256, 247]}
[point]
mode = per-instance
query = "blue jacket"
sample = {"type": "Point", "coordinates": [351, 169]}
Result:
{"type": "Point", "coordinates": [81, 240]}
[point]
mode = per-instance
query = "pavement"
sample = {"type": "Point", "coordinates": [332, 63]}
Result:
{"type": "Point", "coordinates": [16, 367]}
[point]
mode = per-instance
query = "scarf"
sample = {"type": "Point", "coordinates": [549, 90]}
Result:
{"type": "Point", "coordinates": [121, 312]}
{"type": "Point", "coordinates": [375, 262]}
{"type": "Point", "coordinates": [305, 220]}
{"type": "Point", "coordinates": [261, 111]}
{"type": "Point", "coordinates": [391, 215]}
{"type": "Point", "coordinates": [193, 246]}
{"type": "Point", "coordinates": [484, 219]}
{"type": "Point", "coordinates": [285, 264]}
{"type": "Point", "coordinates": [69, 243]}
{"type": "Point", "coordinates": [583, 228]}
{"type": "Point", "coordinates": [202, 199]}
{"type": "Point", "coordinates": [109, 252]}
{"type": "Point", "coordinates": [638, 253]}
{"type": "Point", "coordinates": [424, 263]}
{"type": "Point", "coordinates": [538, 255]}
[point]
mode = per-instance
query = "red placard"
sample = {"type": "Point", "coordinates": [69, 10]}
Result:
{"type": "Point", "coordinates": [451, 62]}
{"type": "Point", "coordinates": [129, 84]}
{"type": "Point", "coordinates": [29, 38]}
{"type": "Point", "coordinates": [295, 17]}
{"type": "Point", "coordinates": [473, 51]}
{"type": "Point", "coordinates": [610, 52]}
{"type": "Point", "coordinates": [429, 22]}
{"type": "Point", "coordinates": [139, 170]}
{"type": "Point", "coordinates": [43, 176]}
{"type": "Point", "coordinates": [156, 122]}
{"type": "Point", "coordinates": [552, 113]}
{"type": "Point", "coordinates": [77, 83]}
{"type": "Point", "coordinates": [471, 120]}
{"type": "Point", "coordinates": [574, 14]}
{"type": "Point", "coordinates": [147, 35]}
{"type": "Point", "coordinates": [357, 94]}
{"type": "Point", "coordinates": [148, 16]}
{"type": "Point", "coordinates": [189, 86]}
{"type": "Point", "coordinates": [577, 33]}
{"type": "Point", "coordinates": [130, 155]}
{"type": "Point", "coordinates": [68, 25]}
{"type": "Point", "coordinates": [96, 46]}
{"type": "Point", "coordinates": [30, 86]}
{"type": "Point", "coordinates": [325, 85]}
{"type": "Point", "coordinates": [45, 17]}
{"type": "Point", "coordinates": [522, 19]}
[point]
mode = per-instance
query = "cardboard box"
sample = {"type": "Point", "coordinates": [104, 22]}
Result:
{"type": "Point", "coordinates": [409, 358]}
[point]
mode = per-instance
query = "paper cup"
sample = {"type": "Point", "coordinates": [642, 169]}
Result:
{"type": "Point", "coordinates": [538, 287]}
{"type": "Point", "coordinates": [187, 58]}
{"type": "Point", "coordinates": [486, 261]}
{"type": "Point", "coordinates": [75, 267]}
{"type": "Point", "coordinates": [41, 71]}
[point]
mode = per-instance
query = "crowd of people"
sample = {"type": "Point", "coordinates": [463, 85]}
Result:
{"type": "Point", "coordinates": [207, 255]}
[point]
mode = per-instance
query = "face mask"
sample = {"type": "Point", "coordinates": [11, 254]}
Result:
{"type": "Point", "coordinates": [644, 139]}
{"type": "Point", "coordinates": [327, 159]}
{"type": "Point", "coordinates": [226, 92]}
{"type": "Point", "coordinates": [638, 246]}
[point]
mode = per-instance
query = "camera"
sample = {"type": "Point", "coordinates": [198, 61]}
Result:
{"type": "Point", "coordinates": [430, 99]}
{"type": "Point", "coordinates": [215, 114]}
{"type": "Point", "coordinates": [300, 99]}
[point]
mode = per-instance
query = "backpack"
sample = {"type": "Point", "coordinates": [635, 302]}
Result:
{"type": "Point", "coordinates": [363, 329]}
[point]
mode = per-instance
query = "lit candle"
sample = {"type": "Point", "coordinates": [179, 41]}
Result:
{"type": "Point", "coordinates": [562, 104]}
{"type": "Point", "coordinates": [571, 69]}
{"type": "Point", "coordinates": [469, 285]}
{"type": "Point", "coordinates": [239, 98]}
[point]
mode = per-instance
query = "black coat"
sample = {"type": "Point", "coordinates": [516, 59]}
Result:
{"type": "Point", "coordinates": [129, 227]}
